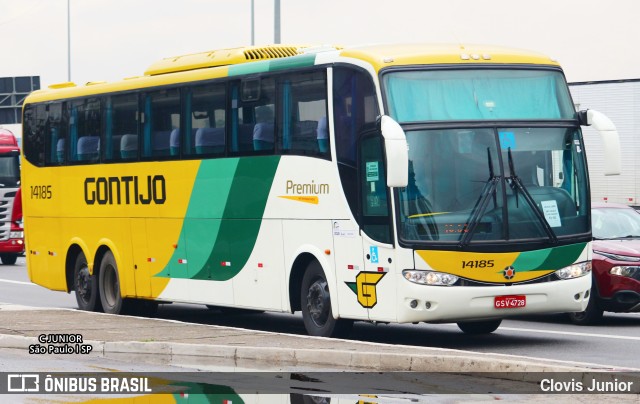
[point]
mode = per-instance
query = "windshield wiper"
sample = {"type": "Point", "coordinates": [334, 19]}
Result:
{"type": "Point", "coordinates": [517, 185]}
{"type": "Point", "coordinates": [481, 204]}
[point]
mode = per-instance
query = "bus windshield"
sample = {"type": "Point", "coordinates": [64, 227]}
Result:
{"type": "Point", "coordinates": [477, 94]}
{"type": "Point", "coordinates": [494, 183]}
{"type": "Point", "coordinates": [9, 171]}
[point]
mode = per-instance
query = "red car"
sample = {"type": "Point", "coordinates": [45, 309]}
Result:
{"type": "Point", "coordinates": [616, 262]}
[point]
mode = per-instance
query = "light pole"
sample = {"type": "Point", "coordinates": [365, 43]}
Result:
{"type": "Point", "coordinates": [276, 21]}
{"type": "Point", "coordinates": [68, 40]}
{"type": "Point", "coordinates": [253, 23]}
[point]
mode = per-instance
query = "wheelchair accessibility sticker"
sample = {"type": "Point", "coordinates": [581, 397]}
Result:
{"type": "Point", "coordinates": [373, 253]}
{"type": "Point", "coordinates": [365, 287]}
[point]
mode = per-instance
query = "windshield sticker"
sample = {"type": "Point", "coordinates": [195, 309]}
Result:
{"type": "Point", "coordinates": [551, 213]}
{"type": "Point", "coordinates": [507, 140]}
{"type": "Point", "coordinates": [372, 171]}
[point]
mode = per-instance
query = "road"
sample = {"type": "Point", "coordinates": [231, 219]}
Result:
{"type": "Point", "coordinates": [614, 343]}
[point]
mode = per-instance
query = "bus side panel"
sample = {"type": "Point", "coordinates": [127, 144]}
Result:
{"type": "Point", "coordinates": [45, 257]}
{"type": "Point", "coordinates": [141, 263]}
{"type": "Point", "coordinates": [261, 282]}
{"type": "Point", "coordinates": [166, 251]}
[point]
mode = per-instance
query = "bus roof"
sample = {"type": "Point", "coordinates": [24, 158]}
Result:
{"type": "Point", "coordinates": [236, 61]}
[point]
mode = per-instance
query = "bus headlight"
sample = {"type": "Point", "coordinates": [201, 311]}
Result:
{"type": "Point", "coordinates": [575, 270]}
{"type": "Point", "coordinates": [627, 271]}
{"type": "Point", "coordinates": [429, 277]}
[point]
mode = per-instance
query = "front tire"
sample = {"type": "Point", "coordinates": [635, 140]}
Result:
{"type": "Point", "coordinates": [109, 285]}
{"type": "Point", "coordinates": [9, 259]}
{"type": "Point", "coordinates": [479, 327]}
{"type": "Point", "coordinates": [316, 306]}
{"type": "Point", "coordinates": [591, 315]}
{"type": "Point", "coordinates": [85, 285]}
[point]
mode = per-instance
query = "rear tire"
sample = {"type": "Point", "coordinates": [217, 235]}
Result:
{"type": "Point", "coordinates": [85, 285]}
{"type": "Point", "coordinates": [316, 306]}
{"type": "Point", "coordinates": [479, 327]}
{"type": "Point", "coordinates": [109, 285]}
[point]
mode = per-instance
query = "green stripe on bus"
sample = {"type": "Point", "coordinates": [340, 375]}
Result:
{"type": "Point", "coordinates": [561, 257]}
{"type": "Point", "coordinates": [549, 258]}
{"type": "Point", "coordinates": [223, 218]}
{"type": "Point", "coordinates": [291, 62]}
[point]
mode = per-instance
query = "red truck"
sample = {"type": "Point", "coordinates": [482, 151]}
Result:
{"type": "Point", "coordinates": [11, 230]}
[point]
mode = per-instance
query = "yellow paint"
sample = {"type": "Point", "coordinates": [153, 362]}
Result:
{"type": "Point", "coordinates": [381, 56]}
{"type": "Point", "coordinates": [65, 219]}
{"type": "Point", "coordinates": [366, 288]}
{"type": "Point", "coordinates": [302, 198]}
{"type": "Point", "coordinates": [489, 268]}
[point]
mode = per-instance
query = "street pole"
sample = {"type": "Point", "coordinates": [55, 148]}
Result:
{"type": "Point", "coordinates": [276, 21]}
{"type": "Point", "coordinates": [253, 23]}
{"type": "Point", "coordinates": [68, 40]}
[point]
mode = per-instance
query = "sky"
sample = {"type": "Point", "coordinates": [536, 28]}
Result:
{"type": "Point", "coordinates": [112, 39]}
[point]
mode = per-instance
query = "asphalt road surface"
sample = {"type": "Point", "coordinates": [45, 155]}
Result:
{"type": "Point", "coordinates": [614, 343]}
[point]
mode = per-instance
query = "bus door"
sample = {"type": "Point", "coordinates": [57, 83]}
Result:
{"type": "Point", "coordinates": [349, 261]}
{"type": "Point", "coordinates": [376, 284]}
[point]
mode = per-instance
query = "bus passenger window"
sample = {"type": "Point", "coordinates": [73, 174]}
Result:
{"type": "Point", "coordinates": [121, 120]}
{"type": "Point", "coordinates": [253, 119]}
{"type": "Point", "coordinates": [304, 98]}
{"type": "Point", "coordinates": [54, 136]}
{"type": "Point", "coordinates": [161, 117]}
{"type": "Point", "coordinates": [263, 131]}
{"type": "Point", "coordinates": [205, 112]}
{"type": "Point", "coordinates": [85, 125]}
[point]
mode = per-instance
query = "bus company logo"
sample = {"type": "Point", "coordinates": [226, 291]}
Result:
{"type": "Point", "coordinates": [365, 288]}
{"type": "Point", "coordinates": [127, 190]}
{"type": "Point", "coordinates": [307, 193]}
{"type": "Point", "coordinates": [509, 272]}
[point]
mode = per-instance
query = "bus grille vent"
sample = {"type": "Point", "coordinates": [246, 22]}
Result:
{"type": "Point", "coordinates": [271, 52]}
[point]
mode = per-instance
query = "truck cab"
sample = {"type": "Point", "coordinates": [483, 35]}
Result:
{"type": "Point", "coordinates": [11, 229]}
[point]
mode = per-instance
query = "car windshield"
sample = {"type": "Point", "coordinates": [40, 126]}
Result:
{"type": "Point", "coordinates": [615, 223]}
{"type": "Point", "coordinates": [9, 171]}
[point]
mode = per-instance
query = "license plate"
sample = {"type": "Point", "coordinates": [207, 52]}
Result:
{"type": "Point", "coordinates": [509, 302]}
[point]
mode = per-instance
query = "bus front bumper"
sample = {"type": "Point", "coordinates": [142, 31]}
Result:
{"type": "Point", "coordinates": [462, 303]}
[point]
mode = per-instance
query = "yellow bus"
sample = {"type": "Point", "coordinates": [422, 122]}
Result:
{"type": "Point", "coordinates": [395, 183]}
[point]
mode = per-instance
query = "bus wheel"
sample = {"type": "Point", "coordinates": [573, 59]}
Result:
{"type": "Point", "coordinates": [316, 306]}
{"type": "Point", "coordinates": [9, 259]}
{"type": "Point", "coordinates": [591, 315]}
{"type": "Point", "coordinates": [479, 327]}
{"type": "Point", "coordinates": [109, 285]}
{"type": "Point", "coordinates": [85, 285]}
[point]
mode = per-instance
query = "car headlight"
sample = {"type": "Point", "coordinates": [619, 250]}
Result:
{"type": "Point", "coordinates": [574, 271]}
{"type": "Point", "coordinates": [627, 271]}
{"type": "Point", "coordinates": [617, 257]}
{"type": "Point", "coordinates": [429, 277]}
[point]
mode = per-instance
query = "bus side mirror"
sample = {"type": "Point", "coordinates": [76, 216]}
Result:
{"type": "Point", "coordinates": [396, 151]}
{"type": "Point", "coordinates": [610, 139]}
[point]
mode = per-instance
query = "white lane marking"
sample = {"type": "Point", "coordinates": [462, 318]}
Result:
{"type": "Point", "coordinates": [18, 282]}
{"type": "Point", "coordinates": [578, 334]}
